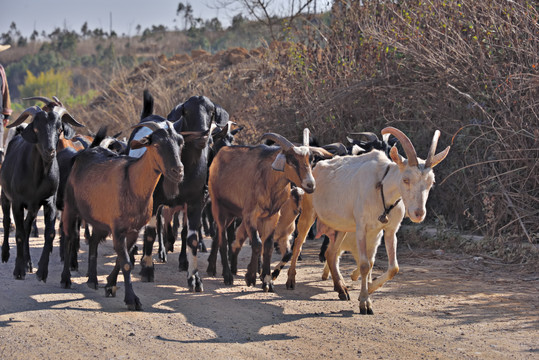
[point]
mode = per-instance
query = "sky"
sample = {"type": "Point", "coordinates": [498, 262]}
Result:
{"type": "Point", "coordinates": [126, 14]}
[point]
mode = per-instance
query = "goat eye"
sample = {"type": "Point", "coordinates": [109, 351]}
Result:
{"type": "Point", "coordinates": [406, 181]}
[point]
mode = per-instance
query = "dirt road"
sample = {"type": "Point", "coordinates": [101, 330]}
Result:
{"type": "Point", "coordinates": [444, 306]}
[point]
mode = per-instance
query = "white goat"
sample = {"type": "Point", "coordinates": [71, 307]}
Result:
{"type": "Point", "coordinates": [363, 194]}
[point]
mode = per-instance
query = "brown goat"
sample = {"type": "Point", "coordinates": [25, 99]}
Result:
{"type": "Point", "coordinates": [113, 193]}
{"type": "Point", "coordinates": [283, 231]}
{"type": "Point", "coordinates": [253, 183]}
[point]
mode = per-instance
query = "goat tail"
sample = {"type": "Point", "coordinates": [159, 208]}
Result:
{"type": "Point", "coordinates": [147, 107]}
{"type": "Point", "coordinates": [100, 136]}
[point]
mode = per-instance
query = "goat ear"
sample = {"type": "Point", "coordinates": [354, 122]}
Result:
{"type": "Point", "coordinates": [29, 135]}
{"type": "Point", "coordinates": [176, 113]}
{"type": "Point", "coordinates": [143, 142]}
{"type": "Point", "coordinates": [279, 162]}
{"type": "Point", "coordinates": [68, 131]}
{"type": "Point", "coordinates": [221, 116]}
{"type": "Point", "coordinates": [394, 154]}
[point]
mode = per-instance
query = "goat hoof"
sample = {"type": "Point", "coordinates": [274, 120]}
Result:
{"type": "Point", "coordinates": [290, 285]}
{"type": "Point", "coordinates": [202, 247]}
{"type": "Point", "coordinates": [183, 265]}
{"type": "Point", "coordinates": [325, 276]}
{"type": "Point", "coordinates": [344, 295]}
{"type": "Point", "coordinates": [66, 284]}
{"type": "Point", "coordinates": [228, 279]}
{"type": "Point", "coordinates": [366, 311]}
{"type": "Point", "coordinates": [5, 256]}
{"type": "Point", "coordinates": [110, 291]}
{"type": "Point", "coordinates": [137, 306]}
{"type": "Point", "coordinates": [275, 274]}
{"type": "Point", "coordinates": [250, 279]}
{"type": "Point", "coordinates": [211, 270]}
{"type": "Point", "coordinates": [162, 256]}
{"type": "Point", "coordinates": [41, 275]}
{"type": "Point", "coordinates": [20, 271]}
{"type": "Point", "coordinates": [92, 284]}
{"type": "Point", "coordinates": [268, 287]}
{"type": "Point", "coordinates": [147, 274]}
{"type": "Point", "coordinates": [365, 307]}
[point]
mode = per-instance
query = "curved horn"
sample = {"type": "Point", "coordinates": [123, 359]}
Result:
{"type": "Point", "coordinates": [46, 100]}
{"type": "Point", "coordinates": [321, 152]}
{"type": "Point", "coordinates": [32, 110]}
{"type": "Point", "coordinates": [58, 101]}
{"type": "Point", "coordinates": [336, 148]}
{"type": "Point", "coordinates": [432, 150]}
{"type": "Point", "coordinates": [152, 125]}
{"type": "Point", "coordinates": [279, 139]}
{"type": "Point", "coordinates": [66, 116]}
{"type": "Point", "coordinates": [405, 142]}
{"type": "Point", "coordinates": [368, 135]}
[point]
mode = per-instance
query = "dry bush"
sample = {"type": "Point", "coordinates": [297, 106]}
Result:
{"type": "Point", "coordinates": [469, 69]}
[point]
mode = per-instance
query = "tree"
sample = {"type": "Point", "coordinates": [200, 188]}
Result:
{"type": "Point", "coordinates": [187, 9]}
{"type": "Point", "coordinates": [265, 11]}
{"type": "Point", "coordinates": [85, 31]}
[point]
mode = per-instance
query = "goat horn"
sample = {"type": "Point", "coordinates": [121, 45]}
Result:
{"type": "Point", "coordinates": [405, 142]}
{"type": "Point", "coordinates": [432, 150]}
{"type": "Point", "coordinates": [32, 110]}
{"type": "Point", "coordinates": [152, 125]}
{"type": "Point", "coordinates": [321, 152]}
{"type": "Point", "coordinates": [336, 148]}
{"type": "Point", "coordinates": [369, 135]}
{"type": "Point", "coordinates": [306, 137]}
{"type": "Point", "coordinates": [58, 101]}
{"type": "Point", "coordinates": [46, 100]}
{"type": "Point", "coordinates": [66, 116]}
{"type": "Point", "coordinates": [433, 160]}
{"type": "Point", "coordinates": [279, 139]}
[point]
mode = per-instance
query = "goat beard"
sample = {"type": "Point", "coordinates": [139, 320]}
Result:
{"type": "Point", "coordinates": [170, 188]}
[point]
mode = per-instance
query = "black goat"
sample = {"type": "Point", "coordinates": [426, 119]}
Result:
{"type": "Point", "coordinates": [195, 115]}
{"type": "Point", "coordinates": [29, 178]}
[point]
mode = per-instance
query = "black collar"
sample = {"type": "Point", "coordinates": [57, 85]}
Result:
{"type": "Point", "coordinates": [383, 218]}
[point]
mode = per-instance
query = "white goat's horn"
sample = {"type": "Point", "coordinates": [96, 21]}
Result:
{"type": "Point", "coordinates": [405, 142]}
{"type": "Point", "coordinates": [306, 137]}
{"type": "Point", "coordinates": [432, 150]}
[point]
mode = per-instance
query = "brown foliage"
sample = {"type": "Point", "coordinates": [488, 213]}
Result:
{"type": "Point", "coordinates": [469, 69]}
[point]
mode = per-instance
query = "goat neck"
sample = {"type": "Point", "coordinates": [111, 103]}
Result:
{"type": "Point", "coordinates": [144, 173]}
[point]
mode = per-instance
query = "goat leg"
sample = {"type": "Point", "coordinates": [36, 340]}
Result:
{"type": "Point", "coordinates": [111, 287]}
{"type": "Point", "coordinates": [333, 263]}
{"type": "Point", "coordinates": [256, 249]}
{"type": "Point", "coordinates": [6, 210]}
{"type": "Point", "coordinates": [183, 263]}
{"type": "Point", "coordinates": [267, 280]}
{"type": "Point", "coordinates": [305, 222]}
{"type": "Point", "coordinates": [147, 266]}
{"type": "Point", "coordinates": [21, 260]}
{"type": "Point", "coordinates": [49, 212]}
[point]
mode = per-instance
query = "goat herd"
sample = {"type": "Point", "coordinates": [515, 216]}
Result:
{"type": "Point", "coordinates": [357, 193]}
